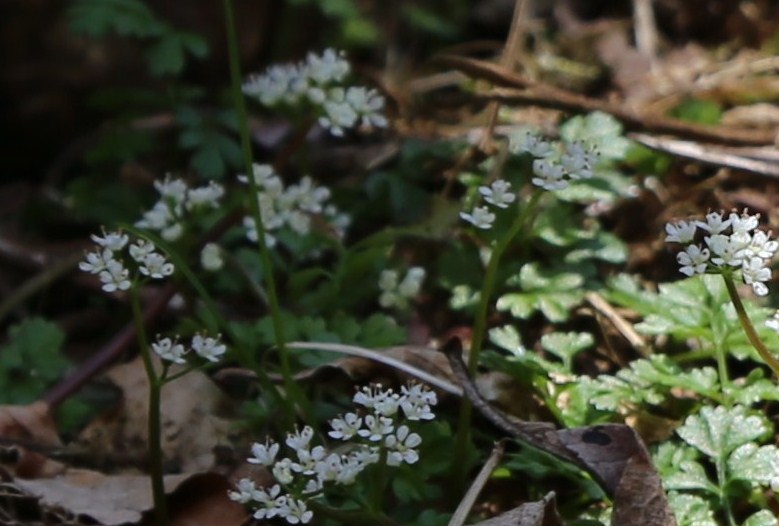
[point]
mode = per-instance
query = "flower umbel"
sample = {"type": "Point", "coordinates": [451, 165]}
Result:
{"type": "Point", "coordinates": [733, 242]}
{"type": "Point", "coordinates": [312, 470]}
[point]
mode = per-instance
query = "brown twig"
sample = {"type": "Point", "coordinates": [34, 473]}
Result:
{"type": "Point", "coordinates": [552, 97]}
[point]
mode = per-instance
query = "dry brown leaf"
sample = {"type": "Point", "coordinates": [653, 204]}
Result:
{"type": "Point", "coordinates": [539, 513]}
{"type": "Point", "coordinates": [31, 425]}
{"type": "Point", "coordinates": [190, 427]}
{"type": "Point", "coordinates": [109, 499]}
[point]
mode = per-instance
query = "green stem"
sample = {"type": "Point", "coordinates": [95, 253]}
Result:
{"type": "Point", "coordinates": [459, 464]}
{"type": "Point", "coordinates": [154, 428]}
{"type": "Point", "coordinates": [723, 493]}
{"type": "Point", "coordinates": [749, 329]}
{"type": "Point", "coordinates": [290, 387]}
{"type": "Point", "coordinates": [379, 482]}
{"type": "Point", "coordinates": [350, 517]}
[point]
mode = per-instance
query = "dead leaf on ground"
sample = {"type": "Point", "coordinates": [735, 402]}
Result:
{"type": "Point", "coordinates": [539, 513]}
{"type": "Point", "coordinates": [195, 500]}
{"type": "Point", "coordinates": [190, 425]}
{"type": "Point", "coordinates": [30, 425]}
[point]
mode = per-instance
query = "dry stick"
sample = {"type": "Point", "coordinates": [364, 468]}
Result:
{"type": "Point", "coordinates": [707, 153]}
{"type": "Point", "coordinates": [464, 508]}
{"type": "Point", "coordinates": [552, 97]}
{"type": "Point", "coordinates": [507, 59]}
{"type": "Point", "coordinates": [645, 30]}
{"type": "Point", "coordinates": [625, 329]}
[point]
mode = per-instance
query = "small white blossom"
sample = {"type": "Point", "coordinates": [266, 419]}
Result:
{"type": "Point", "coordinates": [115, 276]}
{"type": "Point", "coordinates": [743, 223]}
{"type": "Point", "coordinates": [247, 491]}
{"type": "Point", "coordinates": [401, 446]}
{"type": "Point", "coordinates": [755, 273]}
{"type": "Point", "coordinates": [209, 348]}
{"type": "Point", "coordinates": [282, 471]}
{"type": "Point", "coordinates": [480, 217]}
{"type": "Point", "coordinates": [368, 106]}
{"type": "Point", "coordinates": [296, 512]}
{"type": "Point", "coordinates": [205, 196]}
{"type": "Point", "coordinates": [345, 428]}
{"type": "Point", "coordinates": [300, 439]}
{"type": "Point", "coordinates": [96, 261]}
{"type": "Point", "coordinates": [549, 175]}
{"type": "Point", "coordinates": [173, 189]}
{"type": "Point", "coordinates": [264, 454]}
{"type": "Point", "coordinates": [680, 232]}
{"type": "Point", "coordinates": [530, 142]}
{"type": "Point", "coordinates": [114, 241]}
{"type": "Point", "coordinates": [714, 223]}
{"type": "Point", "coordinates": [377, 427]}
{"type": "Point", "coordinates": [156, 266]}
{"type": "Point", "coordinates": [339, 113]}
{"type": "Point", "coordinates": [724, 251]}
{"type": "Point", "coordinates": [693, 260]}
{"type": "Point", "coordinates": [498, 193]}
{"type": "Point", "coordinates": [211, 257]}
{"type": "Point", "coordinates": [578, 160]}
{"type": "Point", "coordinates": [140, 249]}
{"type": "Point", "coordinates": [167, 350]}
{"type": "Point", "coordinates": [773, 322]}
{"type": "Point", "coordinates": [331, 66]}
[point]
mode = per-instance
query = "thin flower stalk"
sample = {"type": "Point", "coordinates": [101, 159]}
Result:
{"type": "Point", "coordinates": [290, 386]}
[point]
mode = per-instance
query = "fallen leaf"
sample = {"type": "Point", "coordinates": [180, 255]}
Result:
{"type": "Point", "coordinates": [539, 513]}
{"type": "Point", "coordinates": [30, 430]}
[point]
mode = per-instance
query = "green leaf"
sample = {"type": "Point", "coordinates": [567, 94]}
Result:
{"type": "Point", "coordinates": [698, 111]}
{"type": "Point", "coordinates": [553, 293]}
{"type": "Point", "coordinates": [566, 345]}
{"type": "Point", "coordinates": [166, 56]}
{"type": "Point", "coordinates": [600, 130]}
{"type": "Point", "coordinates": [97, 18]}
{"type": "Point", "coordinates": [31, 360]}
{"type": "Point", "coordinates": [717, 432]}
{"type": "Point", "coordinates": [507, 338]}
{"type": "Point", "coordinates": [691, 510]}
{"type": "Point", "coordinates": [690, 475]}
{"type": "Point", "coordinates": [756, 464]}
{"type": "Point", "coordinates": [761, 518]}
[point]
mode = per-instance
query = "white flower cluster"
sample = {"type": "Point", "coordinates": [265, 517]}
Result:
{"type": "Point", "coordinates": [112, 270]}
{"type": "Point", "coordinates": [498, 194]}
{"type": "Point", "coordinates": [319, 81]}
{"type": "Point", "coordinates": [374, 435]}
{"type": "Point", "coordinates": [733, 243]}
{"type": "Point", "coordinates": [555, 163]}
{"type": "Point", "coordinates": [176, 199]}
{"type": "Point", "coordinates": [395, 292]}
{"type": "Point", "coordinates": [290, 207]}
{"type": "Point", "coordinates": [206, 347]}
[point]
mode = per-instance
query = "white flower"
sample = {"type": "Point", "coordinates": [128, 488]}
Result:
{"type": "Point", "coordinates": [345, 428]}
{"type": "Point", "coordinates": [744, 223]}
{"type": "Point", "coordinates": [114, 241]}
{"type": "Point", "coordinates": [755, 273]}
{"type": "Point", "coordinates": [376, 428]}
{"type": "Point", "coordinates": [416, 402]}
{"type": "Point", "coordinates": [578, 160]}
{"type": "Point", "coordinates": [480, 217]}
{"type": "Point", "coordinates": [282, 471]}
{"type": "Point", "coordinates": [156, 266]}
{"type": "Point", "coordinates": [549, 175]}
{"type": "Point", "coordinates": [174, 189]}
{"type": "Point", "coordinates": [96, 261]}
{"type": "Point", "coordinates": [714, 223]}
{"type": "Point", "coordinates": [308, 196]}
{"type": "Point", "coordinates": [209, 348]}
{"type": "Point", "coordinates": [368, 105]}
{"type": "Point", "coordinates": [498, 193]}
{"type": "Point", "coordinates": [760, 246]}
{"type": "Point", "coordinates": [401, 446]}
{"type": "Point", "coordinates": [158, 218]}
{"type": "Point", "coordinates": [167, 350]}
{"type": "Point", "coordinates": [140, 249]}
{"type": "Point", "coordinates": [725, 251]}
{"type": "Point", "coordinates": [264, 454]}
{"type": "Point", "coordinates": [211, 257]}
{"type": "Point", "coordinates": [247, 491]}
{"type": "Point", "coordinates": [530, 142]}
{"type": "Point", "coordinates": [331, 66]}
{"type": "Point", "coordinates": [412, 282]}
{"type": "Point", "coordinates": [205, 196]}
{"type": "Point", "coordinates": [300, 439]}
{"type": "Point", "coordinates": [339, 113]}
{"type": "Point", "coordinates": [115, 276]}
{"type": "Point", "coordinates": [693, 260]}
{"type": "Point", "coordinates": [296, 512]}
{"type": "Point", "coordinates": [173, 232]}
{"type": "Point", "coordinates": [680, 232]}
{"type": "Point", "coordinates": [261, 174]}
{"type": "Point", "coordinates": [278, 83]}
